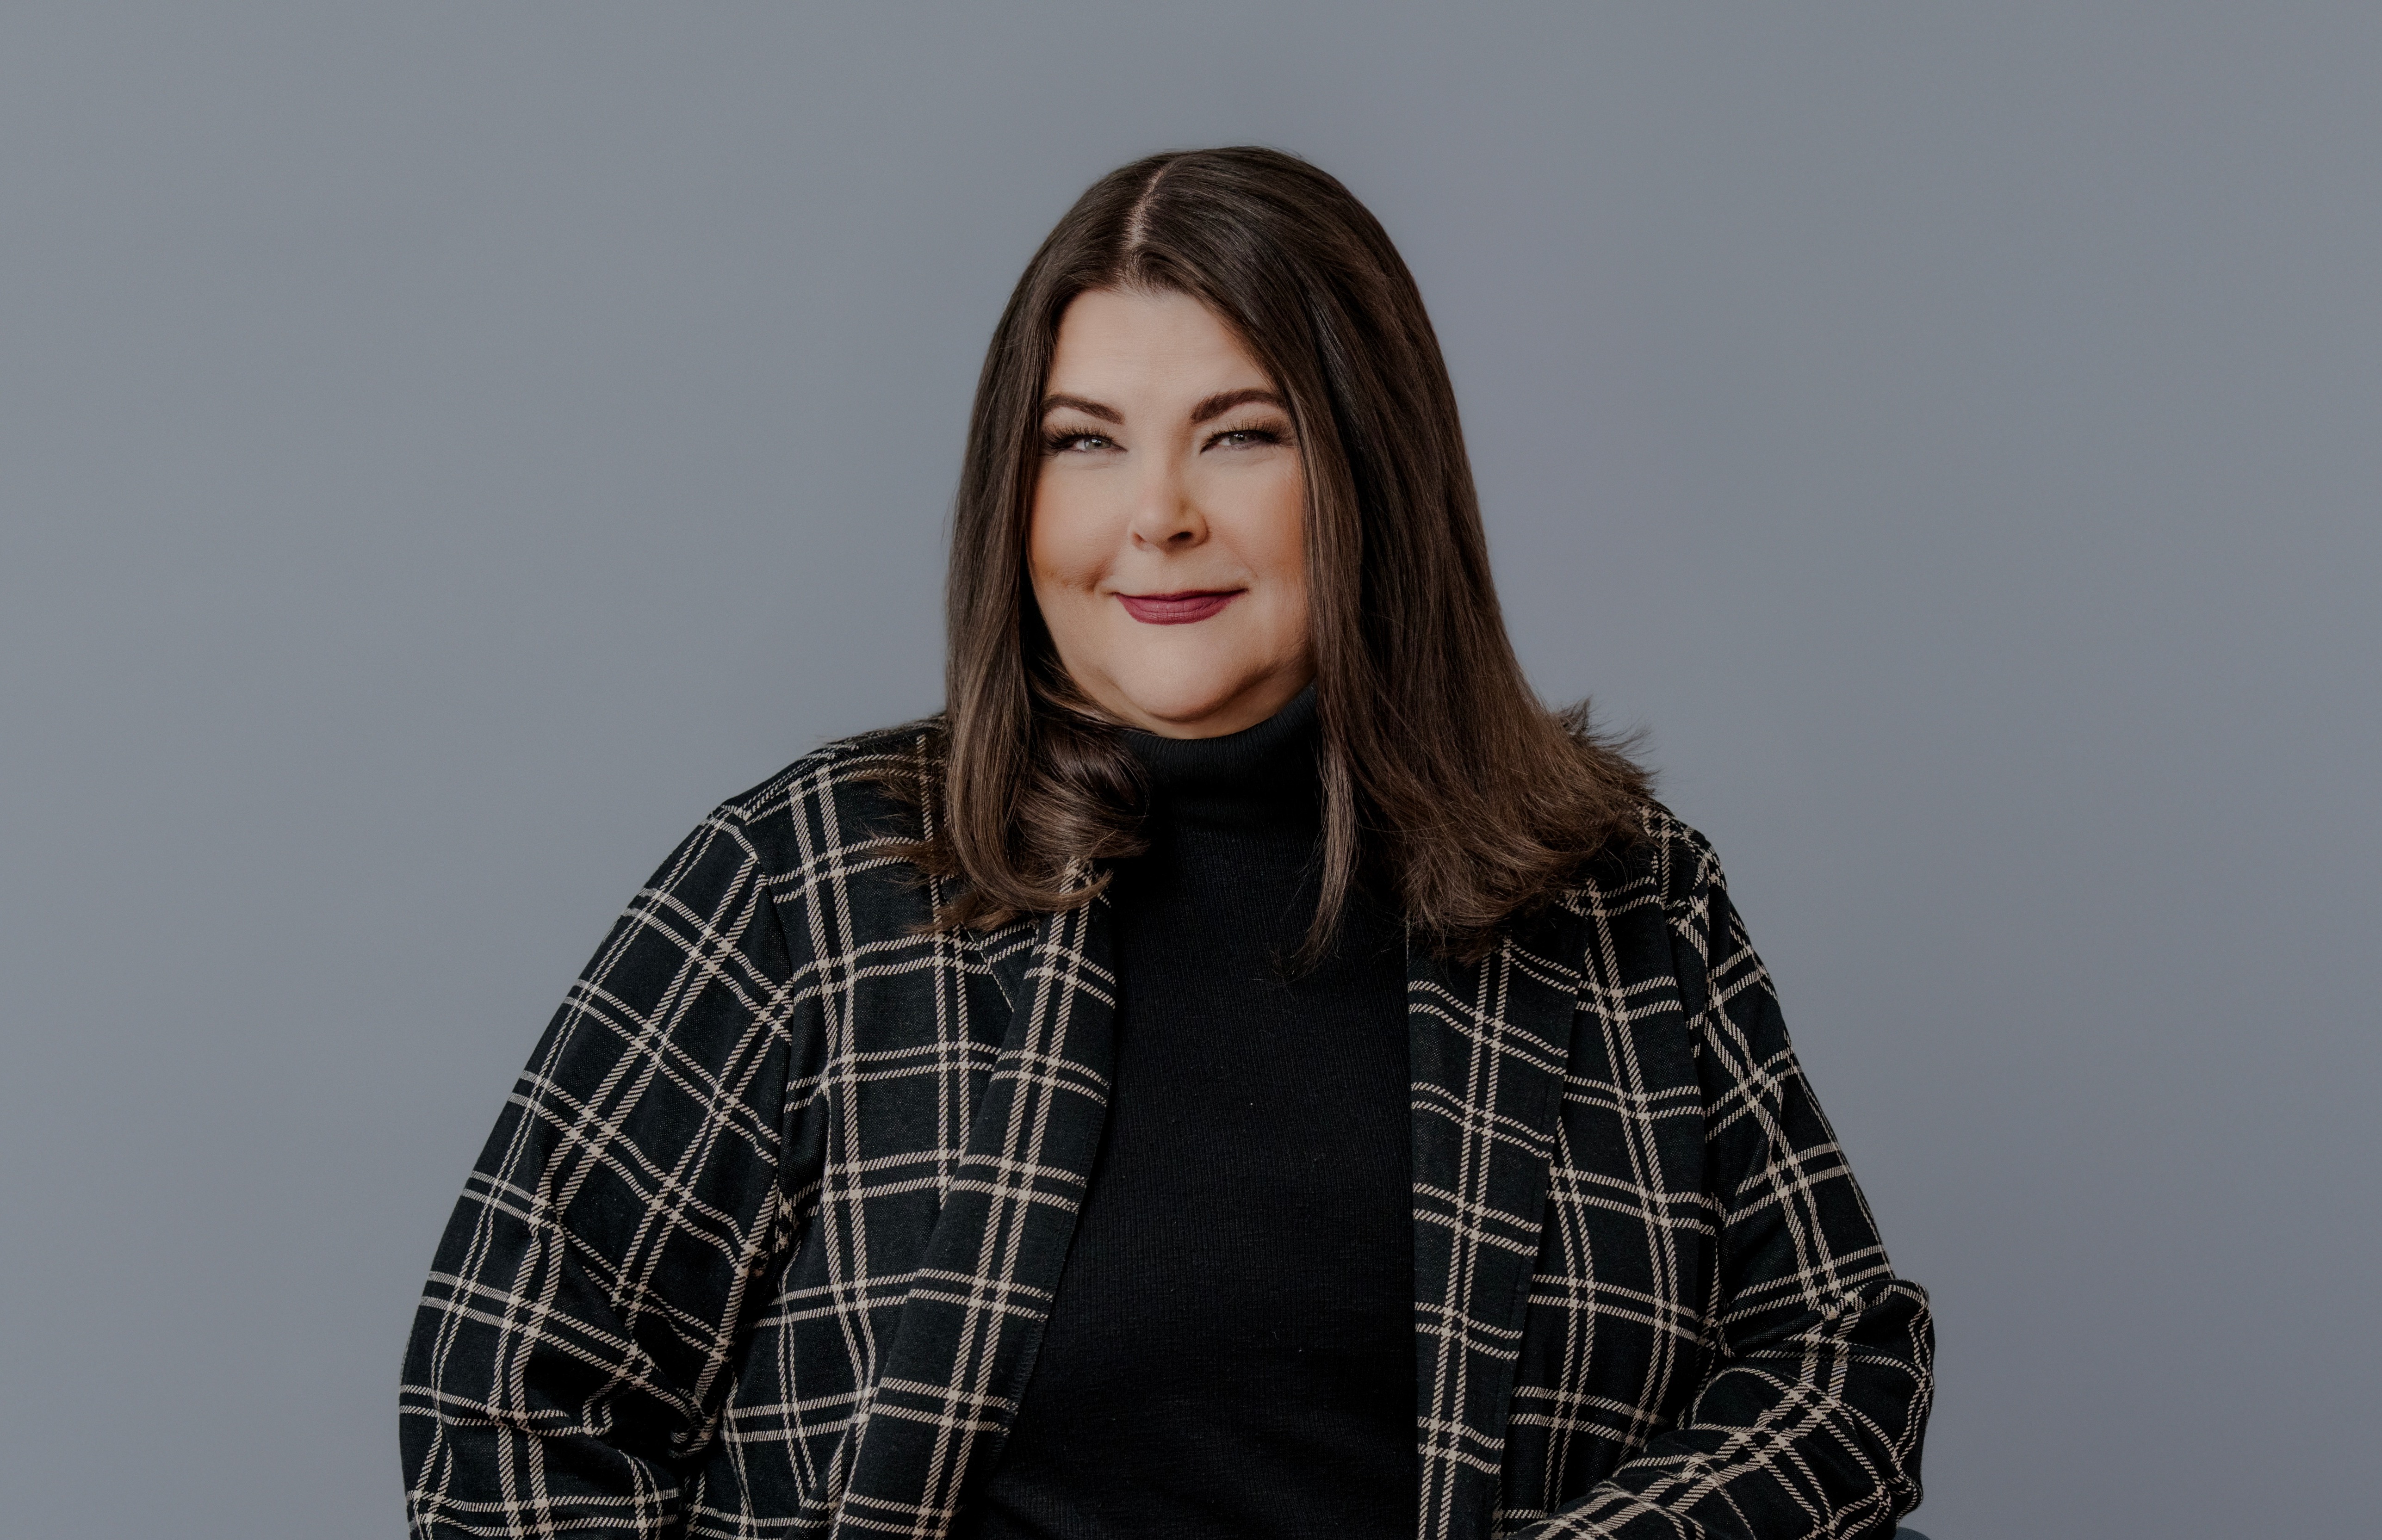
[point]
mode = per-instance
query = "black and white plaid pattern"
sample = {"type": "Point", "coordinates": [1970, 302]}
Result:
{"type": "Point", "coordinates": [765, 1240]}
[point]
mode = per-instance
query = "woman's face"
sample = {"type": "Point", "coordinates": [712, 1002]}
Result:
{"type": "Point", "coordinates": [1166, 548]}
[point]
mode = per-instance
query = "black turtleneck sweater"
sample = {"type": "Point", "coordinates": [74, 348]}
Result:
{"type": "Point", "coordinates": [1231, 1353]}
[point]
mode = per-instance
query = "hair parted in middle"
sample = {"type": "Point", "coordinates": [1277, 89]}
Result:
{"type": "Point", "coordinates": [1446, 784]}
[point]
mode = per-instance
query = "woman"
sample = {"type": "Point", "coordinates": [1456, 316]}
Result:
{"type": "Point", "coordinates": [1245, 1068]}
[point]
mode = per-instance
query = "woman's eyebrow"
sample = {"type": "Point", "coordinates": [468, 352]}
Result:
{"type": "Point", "coordinates": [1089, 409]}
{"type": "Point", "coordinates": [1225, 401]}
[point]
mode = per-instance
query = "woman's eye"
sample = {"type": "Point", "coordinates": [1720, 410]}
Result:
{"type": "Point", "coordinates": [1077, 443]}
{"type": "Point", "coordinates": [1246, 439]}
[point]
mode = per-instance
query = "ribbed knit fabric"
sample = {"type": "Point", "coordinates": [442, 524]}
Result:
{"type": "Point", "coordinates": [1231, 1353]}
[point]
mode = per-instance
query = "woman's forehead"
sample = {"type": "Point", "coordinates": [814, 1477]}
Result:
{"type": "Point", "coordinates": [1142, 351]}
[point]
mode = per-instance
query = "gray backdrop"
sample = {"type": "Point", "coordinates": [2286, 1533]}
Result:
{"type": "Point", "coordinates": [448, 448]}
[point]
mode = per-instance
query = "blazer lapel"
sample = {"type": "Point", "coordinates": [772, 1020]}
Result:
{"type": "Point", "coordinates": [1488, 1044]}
{"type": "Point", "coordinates": [974, 1317]}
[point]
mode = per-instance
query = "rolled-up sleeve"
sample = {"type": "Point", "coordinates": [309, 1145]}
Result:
{"type": "Point", "coordinates": [572, 1348]}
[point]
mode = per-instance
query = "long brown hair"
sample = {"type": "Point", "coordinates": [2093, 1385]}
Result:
{"type": "Point", "coordinates": [1444, 779]}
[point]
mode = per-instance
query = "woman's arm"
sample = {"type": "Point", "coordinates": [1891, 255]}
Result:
{"type": "Point", "coordinates": [573, 1344]}
{"type": "Point", "coordinates": [1810, 1421]}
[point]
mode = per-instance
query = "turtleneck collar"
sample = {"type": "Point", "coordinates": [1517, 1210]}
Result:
{"type": "Point", "coordinates": [1261, 775]}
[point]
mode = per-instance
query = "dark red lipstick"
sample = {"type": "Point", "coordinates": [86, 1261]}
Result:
{"type": "Point", "coordinates": [1177, 609]}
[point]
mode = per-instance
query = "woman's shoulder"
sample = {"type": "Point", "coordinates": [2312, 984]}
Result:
{"type": "Point", "coordinates": [1677, 853]}
{"type": "Point", "coordinates": [863, 790]}
{"type": "Point", "coordinates": [1659, 859]}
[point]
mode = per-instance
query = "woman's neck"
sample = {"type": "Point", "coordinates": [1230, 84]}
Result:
{"type": "Point", "coordinates": [1261, 776]}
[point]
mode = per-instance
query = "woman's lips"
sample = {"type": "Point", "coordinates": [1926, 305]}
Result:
{"type": "Point", "coordinates": [1177, 609]}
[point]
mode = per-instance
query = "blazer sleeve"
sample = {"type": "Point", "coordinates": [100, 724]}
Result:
{"type": "Point", "coordinates": [574, 1344]}
{"type": "Point", "coordinates": [1809, 1419]}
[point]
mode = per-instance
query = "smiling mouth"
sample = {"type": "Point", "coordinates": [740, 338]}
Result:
{"type": "Point", "coordinates": [1177, 609]}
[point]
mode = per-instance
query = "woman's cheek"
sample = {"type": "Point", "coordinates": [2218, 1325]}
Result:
{"type": "Point", "coordinates": [1068, 538]}
{"type": "Point", "coordinates": [1286, 562]}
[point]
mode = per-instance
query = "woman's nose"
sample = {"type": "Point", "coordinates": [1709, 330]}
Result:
{"type": "Point", "coordinates": [1164, 516]}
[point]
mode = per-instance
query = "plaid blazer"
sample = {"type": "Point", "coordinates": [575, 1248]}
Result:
{"type": "Point", "coordinates": [764, 1240]}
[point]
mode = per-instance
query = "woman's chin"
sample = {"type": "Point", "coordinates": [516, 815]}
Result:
{"type": "Point", "coordinates": [1204, 708]}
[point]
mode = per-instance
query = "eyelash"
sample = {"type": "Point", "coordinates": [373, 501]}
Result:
{"type": "Point", "coordinates": [1062, 442]}
{"type": "Point", "coordinates": [1254, 432]}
